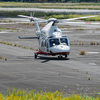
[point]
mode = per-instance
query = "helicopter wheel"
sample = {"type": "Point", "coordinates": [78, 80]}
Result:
{"type": "Point", "coordinates": [35, 55]}
{"type": "Point", "coordinates": [59, 57]}
{"type": "Point", "coordinates": [65, 56]}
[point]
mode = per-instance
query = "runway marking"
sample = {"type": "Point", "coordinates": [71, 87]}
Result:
{"type": "Point", "coordinates": [93, 52]}
{"type": "Point", "coordinates": [4, 32]}
{"type": "Point", "coordinates": [66, 31]}
{"type": "Point", "coordinates": [94, 64]}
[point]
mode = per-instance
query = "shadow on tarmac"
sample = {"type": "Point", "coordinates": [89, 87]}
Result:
{"type": "Point", "coordinates": [45, 59]}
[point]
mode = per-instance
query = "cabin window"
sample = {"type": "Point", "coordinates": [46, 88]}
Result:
{"type": "Point", "coordinates": [54, 42]}
{"type": "Point", "coordinates": [42, 44]}
{"type": "Point", "coordinates": [64, 41]}
{"type": "Point", "coordinates": [45, 43]}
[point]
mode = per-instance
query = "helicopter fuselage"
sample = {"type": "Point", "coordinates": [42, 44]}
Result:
{"type": "Point", "coordinates": [52, 42]}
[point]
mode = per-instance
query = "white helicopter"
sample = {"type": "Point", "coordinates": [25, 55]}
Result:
{"type": "Point", "coordinates": [51, 40]}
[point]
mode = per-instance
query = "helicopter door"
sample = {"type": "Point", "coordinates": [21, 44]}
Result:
{"type": "Point", "coordinates": [42, 46]}
{"type": "Point", "coordinates": [46, 46]}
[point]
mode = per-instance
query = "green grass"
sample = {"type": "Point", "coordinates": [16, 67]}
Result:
{"type": "Point", "coordinates": [31, 48]}
{"type": "Point", "coordinates": [24, 47]}
{"type": "Point", "coordinates": [13, 13]}
{"type": "Point", "coordinates": [18, 45]}
{"type": "Point", "coordinates": [0, 57]}
{"type": "Point", "coordinates": [92, 43]}
{"type": "Point", "coordinates": [98, 43]}
{"type": "Point", "coordinates": [37, 49]}
{"type": "Point", "coordinates": [70, 5]}
{"type": "Point", "coordinates": [47, 15]}
{"type": "Point", "coordinates": [35, 95]}
{"type": "Point", "coordinates": [89, 78]}
{"type": "Point", "coordinates": [49, 5]}
{"type": "Point", "coordinates": [15, 44]}
{"type": "Point", "coordinates": [5, 59]}
{"type": "Point", "coordinates": [79, 29]}
{"type": "Point", "coordinates": [8, 43]}
{"type": "Point", "coordinates": [4, 42]}
{"type": "Point", "coordinates": [2, 28]}
{"type": "Point", "coordinates": [67, 16]}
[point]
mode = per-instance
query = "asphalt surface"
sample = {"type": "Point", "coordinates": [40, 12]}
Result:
{"type": "Point", "coordinates": [49, 73]}
{"type": "Point", "coordinates": [77, 11]}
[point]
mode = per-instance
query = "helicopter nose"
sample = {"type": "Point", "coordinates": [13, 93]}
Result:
{"type": "Point", "coordinates": [60, 48]}
{"type": "Point", "coordinates": [65, 48]}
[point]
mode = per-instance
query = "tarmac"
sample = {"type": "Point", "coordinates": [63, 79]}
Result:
{"type": "Point", "coordinates": [76, 74]}
{"type": "Point", "coordinates": [70, 11]}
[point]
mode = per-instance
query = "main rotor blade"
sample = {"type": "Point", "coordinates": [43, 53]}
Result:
{"type": "Point", "coordinates": [24, 16]}
{"type": "Point", "coordinates": [7, 23]}
{"type": "Point", "coordinates": [34, 18]}
{"type": "Point", "coordinates": [93, 23]}
{"type": "Point", "coordinates": [78, 18]}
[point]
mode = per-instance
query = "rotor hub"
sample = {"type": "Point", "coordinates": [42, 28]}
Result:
{"type": "Point", "coordinates": [53, 19]}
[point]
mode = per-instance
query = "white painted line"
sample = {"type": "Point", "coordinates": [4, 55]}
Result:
{"type": "Point", "coordinates": [93, 52]}
{"type": "Point", "coordinates": [66, 31]}
{"type": "Point", "coordinates": [4, 32]}
{"type": "Point", "coordinates": [6, 23]}
{"type": "Point", "coordinates": [92, 64]}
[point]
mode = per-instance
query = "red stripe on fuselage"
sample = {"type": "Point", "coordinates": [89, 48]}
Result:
{"type": "Point", "coordinates": [57, 53]}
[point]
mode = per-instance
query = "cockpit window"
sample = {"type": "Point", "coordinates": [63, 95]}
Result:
{"type": "Point", "coordinates": [64, 41]}
{"type": "Point", "coordinates": [54, 42]}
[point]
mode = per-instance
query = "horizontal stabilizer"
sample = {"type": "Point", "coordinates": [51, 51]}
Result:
{"type": "Point", "coordinates": [28, 37]}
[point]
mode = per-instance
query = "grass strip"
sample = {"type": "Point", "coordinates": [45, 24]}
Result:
{"type": "Point", "coordinates": [47, 15]}
{"type": "Point", "coordinates": [34, 95]}
{"type": "Point", "coordinates": [82, 5]}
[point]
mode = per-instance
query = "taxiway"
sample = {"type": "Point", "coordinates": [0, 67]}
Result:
{"type": "Point", "coordinates": [49, 73]}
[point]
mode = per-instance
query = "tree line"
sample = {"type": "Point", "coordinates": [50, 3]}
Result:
{"type": "Point", "coordinates": [41, 1]}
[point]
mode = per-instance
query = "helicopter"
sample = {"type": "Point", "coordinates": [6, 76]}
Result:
{"type": "Point", "coordinates": [51, 40]}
